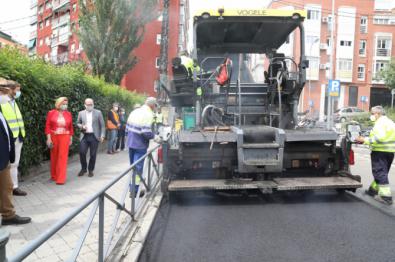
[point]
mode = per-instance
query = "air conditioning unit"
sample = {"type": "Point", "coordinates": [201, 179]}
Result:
{"type": "Point", "coordinates": [323, 46]}
{"type": "Point", "coordinates": [325, 19]}
{"type": "Point", "coordinates": [323, 66]}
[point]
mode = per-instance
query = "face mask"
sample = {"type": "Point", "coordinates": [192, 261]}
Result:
{"type": "Point", "coordinates": [4, 99]}
{"type": "Point", "coordinates": [89, 108]}
{"type": "Point", "coordinates": [116, 108]}
{"type": "Point", "coordinates": [18, 94]}
{"type": "Point", "coordinates": [63, 107]}
{"type": "Point", "coordinates": [372, 118]}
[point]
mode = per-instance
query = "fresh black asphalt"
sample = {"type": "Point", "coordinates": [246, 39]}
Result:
{"type": "Point", "coordinates": [255, 227]}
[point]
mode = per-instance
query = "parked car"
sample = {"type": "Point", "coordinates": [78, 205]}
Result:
{"type": "Point", "coordinates": [349, 113]}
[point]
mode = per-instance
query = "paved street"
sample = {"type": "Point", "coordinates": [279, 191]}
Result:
{"type": "Point", "coordinates": [47, 202]}
{"type": "Point", "coordinates": [292, 227]}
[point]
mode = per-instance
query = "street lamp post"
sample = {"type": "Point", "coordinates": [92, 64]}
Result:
{"type": "Point", "coordinates": [311, 47]}
{"type": "Point", "coordinates": [329, 108]}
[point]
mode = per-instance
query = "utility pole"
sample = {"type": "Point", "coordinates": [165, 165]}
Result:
{"type": "Point", "coordinates": [331, 72]}
{"type": "Point", "coordinates": [164, 47]}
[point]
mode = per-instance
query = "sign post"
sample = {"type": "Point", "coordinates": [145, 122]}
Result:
{"type": "Point", "coordinates": [392, 98]}
{"type": "Point", "coordinates": [333, 91]}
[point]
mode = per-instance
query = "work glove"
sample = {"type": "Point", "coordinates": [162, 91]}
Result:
{"type": "Point", "coordinates": [157, 139]}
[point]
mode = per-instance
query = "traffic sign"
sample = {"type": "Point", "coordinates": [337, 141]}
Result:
{"type": "Point", "coordinates": [334, 87]}
{"type": "Point", "coordinates": [364, 99]}
{"type": "Point", "coordinates": [392, 91]}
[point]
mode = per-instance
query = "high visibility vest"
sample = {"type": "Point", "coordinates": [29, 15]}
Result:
{"type": "Point", "coordinates": [382, 136]}
{"type": "Point", "coordinates": [140, 120]}
{"type": "Point", "coordinates": [14, 119]}
{"type": "Point", "coordinates": [189, 64]}
{"type": "Point", "coordinates": [159, 118]}
{"type": "Point", "coordinates": [110, 124]}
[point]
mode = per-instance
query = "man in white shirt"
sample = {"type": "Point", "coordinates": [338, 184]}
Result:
{"type": "Point", "coordinates": [91, 123]}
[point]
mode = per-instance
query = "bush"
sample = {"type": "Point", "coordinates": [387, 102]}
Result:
{"type": "Point", "coordinates": [41, 84]}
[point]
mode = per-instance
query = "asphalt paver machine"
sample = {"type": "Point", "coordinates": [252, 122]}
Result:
{"type": "Point", "coordinates": [242, 133]}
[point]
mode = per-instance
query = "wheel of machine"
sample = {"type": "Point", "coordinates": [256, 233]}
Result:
{"type": "Point", "coordinates": [342, 120]}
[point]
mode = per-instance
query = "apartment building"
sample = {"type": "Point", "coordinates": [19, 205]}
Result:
{"type": "Point", "coordinates": [363, 46]}
{"type": "Point", "coordinates": [53, 37]}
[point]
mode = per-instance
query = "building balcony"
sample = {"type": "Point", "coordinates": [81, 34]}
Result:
{"type": "Point", "coordinates": [60, 5]}
{"type": "Point", "coordinates": [383, 52]}
{"type": "Point", "coordinates": [60, 59]}
{"type": "Point", "coordinates": [33, 34]}
{"type": "Point", "coordinates": [62, 39]}
{"type": "Point", "coordinates": [344, 75]}
{"type": "Point", "coordinates": [64, 19]}
{"type": "Point", "coordinates": [33, 20]}
{"type": "Point", "coordinates": [33, 4]}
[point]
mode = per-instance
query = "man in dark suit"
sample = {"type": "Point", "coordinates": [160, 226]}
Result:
{"type": "Point", "coordinates": [7, 156]}
{"type": "Point", "coordinates": [93, 131]}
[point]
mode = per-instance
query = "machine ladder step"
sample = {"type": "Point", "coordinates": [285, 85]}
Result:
{"type": "Point", "coordinates": [306, 183]}
{"type": "Point", "coordinates": [219, 184]}
{"type": "Point", "coordinates": [261, 145]}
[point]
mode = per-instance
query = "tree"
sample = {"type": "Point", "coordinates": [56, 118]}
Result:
{"type": "Point", "coordinates": [109, 32]}
{"type": "Point", "coordinates": [388, 74]}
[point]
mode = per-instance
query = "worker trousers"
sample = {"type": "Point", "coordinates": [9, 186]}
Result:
{"type": "Point", "coordinates": [7, 209]}
{"type": "Point", "coordinates": [381, 164]}
{"type": "Point", "coordinates": [134, 155]}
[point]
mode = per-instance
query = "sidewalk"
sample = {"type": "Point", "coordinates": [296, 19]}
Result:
{"type": "Point", "coordinates": [47, 203]}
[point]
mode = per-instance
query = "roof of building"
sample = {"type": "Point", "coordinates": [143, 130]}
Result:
{"type": "Point", "coordinates": [7, 37]}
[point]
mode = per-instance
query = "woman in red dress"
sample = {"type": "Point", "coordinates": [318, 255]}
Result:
{"type": "Point", "coordinates": [59, 131]}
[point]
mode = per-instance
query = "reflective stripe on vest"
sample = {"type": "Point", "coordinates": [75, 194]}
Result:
{"type": "Point", "coordinates": [14, 119]}
{"type": "Point", "coordinates": [382, 137]}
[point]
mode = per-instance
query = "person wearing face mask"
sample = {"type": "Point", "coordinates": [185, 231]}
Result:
{"type": "Point", "coordinates": [13, 115]}
{"type": "Point", "coordinates": [121, 132]}
{"type": "Point", "coordinates": [382, 143]}
{"type": "Point", "coordinates": [91, 123]}
{"type": "Point", "coordinates": [7, 153]}
{"type": "Point", "coordinates": [113, 124]}
{"type": "Point", "coordinates": [59, 132]}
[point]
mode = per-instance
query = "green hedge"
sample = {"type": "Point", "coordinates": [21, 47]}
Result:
{"type": "Point", "coordinates": [41, 84]}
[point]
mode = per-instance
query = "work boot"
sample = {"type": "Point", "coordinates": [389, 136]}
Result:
{"type": "Point", "coordinates": [383, 199]}
{"type": "Point", "coordinates": [18, 192]}
{"type": "Point", "coordinates": [371, 192]}
{"type": "Point", "coordinates": [16, 220]}
{"type": "Point", "coordinates": [90, 174]}
{"type": "Point", "coordinates": [81, 173]}
{"type": "Point", "coordinates": [384, 195]}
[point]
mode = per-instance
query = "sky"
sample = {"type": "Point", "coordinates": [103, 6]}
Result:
{"type": "Point", "coordinates": [15, 14]}
{"type": "Point", "coordinates": [18, 10]}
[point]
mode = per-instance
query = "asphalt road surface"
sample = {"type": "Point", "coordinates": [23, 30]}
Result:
{"type": "Point", "coordinates": [255, 227]}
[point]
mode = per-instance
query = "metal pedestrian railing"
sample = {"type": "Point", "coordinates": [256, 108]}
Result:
{"type": "Point", "coordinates": [151, 183]}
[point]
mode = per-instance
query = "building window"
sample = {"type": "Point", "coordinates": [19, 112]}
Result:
{"type": "Point", "coordinates": [381, 20]}
{"type": "Point", "coordinates": [363, 25]}
{"type": "Point", "coordinates": [158, 39]}
{"type": "Point", "coordinates": [313, 14]}
{"type": "Point", "coordinates": [40, 9]}
{"type": "Point", "coordinates": [41, 42]}
{"type": "Point", "coordinates": [48, 4]}
{"type": "Point", "coordinates": [383, 46]}
{"type": "Point", "coordinates": [345, 43]}
{"type": "Point", "coordinates": [378, 67]}
{"type": "Point", "coordinates": [46, 57]}
{"type": "Point", "coordinates": [157, 62]}
{"type": "Point", "coordinates": [48, 21]}
{"type": "Point", "coordinates": [361, 72]}
{"type": "Point", "coordinates": [41, 25]}
{"type": "Point", "coordinates": [362, 47]}
{"type": "Point", "coordinates": [47, 40]}
{"type": "Point", "coordinates": [345, 65]}
{"type": "Point", "coordinates": [74, 7]}
{"type": "Point", "coordinates": [72, 48]}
